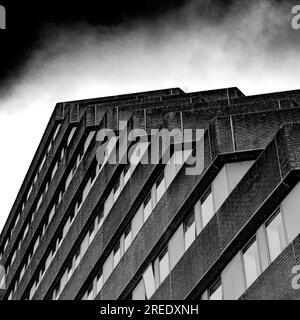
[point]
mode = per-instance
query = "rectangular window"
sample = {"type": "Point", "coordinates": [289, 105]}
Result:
{"type": "Point", "coordinates": [149, 281]}
{"type": "Point", "coordinates": [117, 190]}
{"type": "Point", "coordinates": [164, 265]}
{"type": "Point", "coordinates": [71, 135]}
{"type": "Point", "coordinates": [59, 240]}
{"type": "Point", "coordinates": [56, 292]}
{"type": "Point", "coordinates": [54, 170]}
{"type": "Point", "coordinates": [90, 293]}
{"type": "Point", "coordinates": [91, 233]}
{"type": "Point", "coordinates": [189, 231]}
{"type": "Point", "coordinates": [126, 173]}
{"type": "Point", "coordinates": [127, 238]}
{"type": "Point", "coordinates": [69, 270]}
{"type": "Point", "coordinates": [100, 218]}
{"type": "Point", "coordinates": [207, 208]}
{"type": "Point", "coordinates": [117, 254]}
{"type": "Point", "coordinates": [251, 262]}
{"type": "Point", "coordinates": [77, 258]}
{"type": "Point", "coordinates": [94, 169]}
{"type": "Point", "coordinates": [215, 291]}
{"type": "Point", "coordinates": [99, 280]}
{"type": "Point", "coordinates": [160, 187]}
{"type": "Point", "coordinates": [275, 235]}
{"type": "Point", "coordinates": [147, 207]}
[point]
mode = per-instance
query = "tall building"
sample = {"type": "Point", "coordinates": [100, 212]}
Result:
{"type": "Point", "coordinates": [81, 228]}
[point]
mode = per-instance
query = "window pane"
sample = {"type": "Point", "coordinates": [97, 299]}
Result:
{"type": "Point", "coordinates": [91, 233]}
{"type": "Point", "coordinates": [160, 187]}
{"type": "Point", "coordinates": [149, 281]}
{"type": "Point", "coordinates": [90, 294]}
{"type": "Point", "coordinates": [164, 265]}
{"type": "Point", "coordinates": [189, 231]}
{"type": "Point", "coordinates": [207, 208]}
{"type": "Point", "coordinates": [147, 207]}
{"type": "Point", "coordinates": [100, 218]}
{"type": "Point", "coordinates": [251, 262]}
{"type": "Point", "coordinates": [215, 292]}
{"type": "Point", "coordinates": [275, 234]}
{"type": "Point", "coordinates": [117, 255]}
{"type": "Point", "coordinates": [127, 240]}
{"type": "Point", "coordinates": [126, 173]}
{"type": "Point", "coordinates": [117, 190]}
{"type": "Point", "coordinates": [99, 281]}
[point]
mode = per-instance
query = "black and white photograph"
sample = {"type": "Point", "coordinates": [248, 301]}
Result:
{"type": "Point", "coordinates": [150, 153]}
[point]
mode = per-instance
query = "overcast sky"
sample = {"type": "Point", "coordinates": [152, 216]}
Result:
{"type": "Point", "coordinates": [196, 46]}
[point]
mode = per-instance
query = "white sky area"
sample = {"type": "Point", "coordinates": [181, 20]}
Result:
{"type": "Point", "coordinates": [179, 50]}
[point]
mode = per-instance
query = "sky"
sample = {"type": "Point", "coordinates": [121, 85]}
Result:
{"type": "Point", "coordinates": [50, 54]}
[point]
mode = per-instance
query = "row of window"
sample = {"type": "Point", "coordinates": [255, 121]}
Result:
{"type": "Point", "coordinates": [266, 245]}
{"type": "Point", "coordinates": [32, 215]}
{"type": "Point", "coordinates": [22, 205]}
{"type": "Point", "coordinates": [100, 217]}
{"type": "Point", "coordinates": [141, 216]}
{"type": "Point", "coordinates": [182, 239]}
{"type": "Point", "coordinates": [51, 214]}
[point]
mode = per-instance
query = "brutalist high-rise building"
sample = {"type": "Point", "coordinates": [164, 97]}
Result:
{"type": "Point", "coordinates": [81, 228]}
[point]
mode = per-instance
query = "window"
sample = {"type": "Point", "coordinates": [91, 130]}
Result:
{"type": "Point", "coordinates": [91, 233]}
{"type": "Point", "coordinates": [59, 240]}
{"type": "Point", "coordinates": [99, 280]}
{"type": "Point", "coordinates": [77, 258]}
{"type": "Point", "coordinates": [163, 265]}
{"type": "Point", "coordinates": [56, 291]}
{"type": "Point", "coordinates": [25, 232]}
{"type": "Point", "coordinates": [126, 173]}
{"type": "Point", "coordinates": [215, 292]}
{"type": "Point", "coordinates": [127, 238]}
{"type": "Point", "coordinates": [71, 135]}
{"type": "Point", "coordinates": [69, 270]}
{"type": "Point", "coordinates": [100, 218]}
{"type": "Point", "coordinates": [251, 262]}
{"type": "Point", "coordinates": [93, 174]}
{"type": "Point", "coordinates": [160, 187]}
{"type": "Point", "coordinates": [117, 190]}
{"type": "Point", "coordinates": [90, 293]}
{"type": "Point", "coordinates": [72, 216]}
{"type": "Point", "coordinates": [207, 208]}
{"type": "Point", "coordinates": [149, 281]}
{"type": "Point", "coordinates": [189, 231]}
{"type": "Point", "coordinates": [54, 170]}
{"type": "Point", "coordinates": [79, 203]}
{"type": "Point", "coordinates": [275, 235]}
{"type": "Point", "coordinates": [147, 207]}
{"type": "Point", "coordinates": [117, 254]}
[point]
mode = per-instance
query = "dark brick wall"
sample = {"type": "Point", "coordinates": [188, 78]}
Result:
{"type": "Point", "coordinates": [275, 283]}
